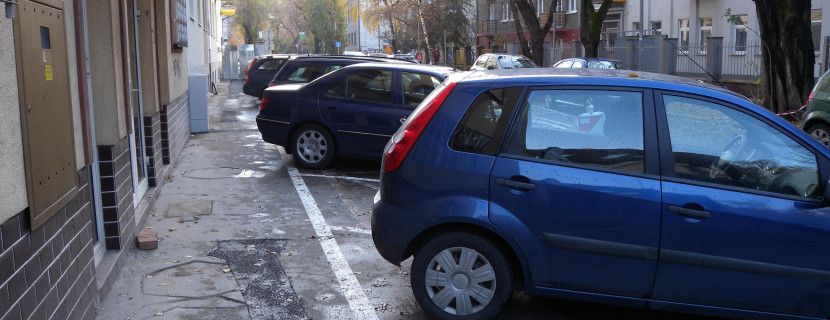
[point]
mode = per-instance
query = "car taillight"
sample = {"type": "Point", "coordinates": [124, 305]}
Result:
{"type": "Point", "coordinates": [405, 138]}
{"type": "Point", "coordinates": [247, 79]}
{"type": "Point", "coordinates": [264, 103]}
{"type": "Point", "coordinates": [271, 84]}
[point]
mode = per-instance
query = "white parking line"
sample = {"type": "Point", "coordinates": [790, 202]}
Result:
{"type": "Point", "coordinates": [349, 285]}
{"type": "Point", "coordinates": [352, 230]}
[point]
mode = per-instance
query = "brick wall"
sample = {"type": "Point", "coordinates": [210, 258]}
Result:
{"type": "Point", "coordinates": [153, 149]}
{"type": "Point", "coordinates": [175, 128]}
{"type": "Point", "coordinates": [48, 273]}
{"type": "Point", "coordinates": [116, 193]}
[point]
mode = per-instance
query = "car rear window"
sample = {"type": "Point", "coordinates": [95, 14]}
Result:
{"type": "Point", "coordinates": [482, 127]}
{"type": "Point", "coordinates": [304, 74]}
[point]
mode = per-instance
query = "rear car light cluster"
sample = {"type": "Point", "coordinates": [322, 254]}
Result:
{"type": "Point", "coordinates": [264, 103]}
{"type": "Point", "coordinates": [405, 138]}
{"type": "Point", "coordinates": [248, 79]}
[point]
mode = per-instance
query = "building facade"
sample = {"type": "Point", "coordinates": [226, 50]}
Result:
{"type": "Point", "coordinates": [94, 96]}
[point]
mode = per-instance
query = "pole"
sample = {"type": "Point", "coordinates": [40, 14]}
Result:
{"type": "Point", "coordinates": [445, 48]}
{"type": "Point", "coordinates": [553, 34]}
{"type": "Point", "coordinates": [359, 31]}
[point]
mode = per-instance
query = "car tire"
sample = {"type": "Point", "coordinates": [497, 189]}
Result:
{"type": "Point", "coordinates": [461, 297]}
{"type": "Point", "coordinates": [313, 147]}
{"type": "Point", "coordinates": [820, 132]}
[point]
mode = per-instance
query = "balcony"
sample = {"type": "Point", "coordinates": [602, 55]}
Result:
{"type": "Point", "coordinates": [486, 26]}
{"type": "Point", "coordinates": [558, 19]}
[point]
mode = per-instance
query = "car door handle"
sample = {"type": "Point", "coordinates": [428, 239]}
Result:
{"type": "Point", "coordinates": [690, 213]}
{"type": "Point", "coordinates": [516, 184]}
{"type": "Point", "coordinates": [331, 107]}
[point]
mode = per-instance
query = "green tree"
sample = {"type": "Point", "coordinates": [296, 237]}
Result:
{"type": "Point", "coordinates": [327, 23]}
{"type": "Point", "coordinates": [251, 16]}
{"type": "Point", "coordinates": [590, 25]}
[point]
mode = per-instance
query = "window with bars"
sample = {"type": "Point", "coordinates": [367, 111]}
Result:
{"type": "Point", "coordinates": [179, 26]}
{"type": "Point", "coordinates": [739, 34]}
{"type": "Point", "coordinates": [683, 34]}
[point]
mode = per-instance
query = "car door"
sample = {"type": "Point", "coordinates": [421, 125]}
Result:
{"type": "Point", "coordinates": [743, 222]}
{"type": "Point", "coordinates": [360, 110]}
{"type": "Point", "coordinates": [577, 187]}
{"type": "Point", "coordinates": [415, 86]}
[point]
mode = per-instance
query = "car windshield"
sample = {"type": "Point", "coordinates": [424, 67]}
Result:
{"type": "Point", "coordinates": [607, 65]}
{"type": "Point", "coordinates": [516, 62]}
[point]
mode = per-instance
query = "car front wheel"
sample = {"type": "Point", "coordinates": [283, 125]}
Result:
{"type": "Point", "coordinates": [461, 275]}
{"type": "Point", "coordinates": [820, 132]}
{"type": "Point", "coordinates": [313, 147]}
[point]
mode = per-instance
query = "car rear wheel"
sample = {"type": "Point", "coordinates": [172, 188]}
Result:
{"type": "Point", "coordinates": [313, 147]}
{"type": "Point", "coordinates": [461, 275]}
{"type": "Point", "coordinates": [820, 132]}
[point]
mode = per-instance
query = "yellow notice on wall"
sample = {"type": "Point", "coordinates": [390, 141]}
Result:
{"type": "Point", "coordinates": [48, 72]}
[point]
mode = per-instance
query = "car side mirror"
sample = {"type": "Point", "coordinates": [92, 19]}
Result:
{"type": "Point", "coordinates": [490, 67]}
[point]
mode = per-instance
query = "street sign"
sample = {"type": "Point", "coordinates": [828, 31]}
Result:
{"type": "Point", "coordinates": [388, 50]}
{"type": "Point", "coordinates": [302, 36]}
{"type": "Point", "coordinates": [227, 12]}
{"type": "Point", "coordinates": [337, 44]}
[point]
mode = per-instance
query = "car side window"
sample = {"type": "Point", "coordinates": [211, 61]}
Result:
{"type": "Point", "coordinates": [416, 86]}
{"type": "Point", "coordinates": [716, 144]}
{"type": "Point", "coordinates": [370, 85]}
{"type": "Point", "coordinates": [578, 64]}
{"type": "Point", "coordinates": [482, 127]}
{"type": "Point", "coordinates": [305, 74]}
{"type": "Point", "coordinates": [586, 127]}
{"type": "Point", "coordinates": [491, 62]}
{"type": "Point", "coordinates": [338, 90]}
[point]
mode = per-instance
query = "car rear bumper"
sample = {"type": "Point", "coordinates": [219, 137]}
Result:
{"type": "Point", "coordinates": [252, 90]}
{"type": "Point", "coordinates": [273, 131]}
{"type": "Point", "coordinates": [393, 228]}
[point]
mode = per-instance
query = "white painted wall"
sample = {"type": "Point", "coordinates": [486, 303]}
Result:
{"type": "Point", "coordinates": [13, 197]}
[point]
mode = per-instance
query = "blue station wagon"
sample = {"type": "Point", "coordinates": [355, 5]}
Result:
{"type": "Point", "coordinates": [640, 190]}
{"type": "Point", "coordinates": [352, 111]}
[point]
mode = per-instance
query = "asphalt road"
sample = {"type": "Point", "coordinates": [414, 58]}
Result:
{"type": "Point", "coordinates": [329, 264]}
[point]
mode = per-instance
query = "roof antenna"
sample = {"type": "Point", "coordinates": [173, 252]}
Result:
{"type": "Point", "coordinates": [690, 58]}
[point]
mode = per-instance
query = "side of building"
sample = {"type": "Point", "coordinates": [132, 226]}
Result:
{"type": "Point", "coordinates": [95, 110]}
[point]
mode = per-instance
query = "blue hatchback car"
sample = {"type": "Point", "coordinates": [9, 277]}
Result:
{"type": "Point", "coordinates": [640, 190]}
{"type": "Point", "coordinates": [352, 111]}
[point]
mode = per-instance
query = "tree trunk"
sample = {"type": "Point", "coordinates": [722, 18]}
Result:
{"type": "Point", "coordinates": [526, 51]}
{"type": "Point", "coordinates": [788, 62]}
{"type": "Point", "coordinates": [428, 54]}
{"type": "Point", "coordinates": [590, 25]}
{"type": "Point", "coordinates": [391, 29]}
{"type": "Point", "coordinates": [526, 11]}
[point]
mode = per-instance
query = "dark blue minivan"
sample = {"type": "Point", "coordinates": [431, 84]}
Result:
{"type": "Point", "coordinates": [640, 190]}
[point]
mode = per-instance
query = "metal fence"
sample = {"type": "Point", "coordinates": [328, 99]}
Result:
{"type": "Point", "coordinates": [742, 63]}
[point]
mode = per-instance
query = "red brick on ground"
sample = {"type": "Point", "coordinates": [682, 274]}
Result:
{"type": "Point", "coordinates": [147, 240]}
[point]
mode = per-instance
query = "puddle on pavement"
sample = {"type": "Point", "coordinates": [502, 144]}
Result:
{"type": "Point", "coordinates": [256, 266]}
{"type": "Point", "coordinates": [223, 173]}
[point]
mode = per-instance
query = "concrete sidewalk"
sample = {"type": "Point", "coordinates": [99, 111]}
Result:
{"type": "Point", "coordinates": [219, 250]}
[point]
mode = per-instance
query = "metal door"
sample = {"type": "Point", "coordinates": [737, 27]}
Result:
{"type": "Point", "coordinates": [45, 107]}
{"type": "Point", "coordinates": [138, 155]}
